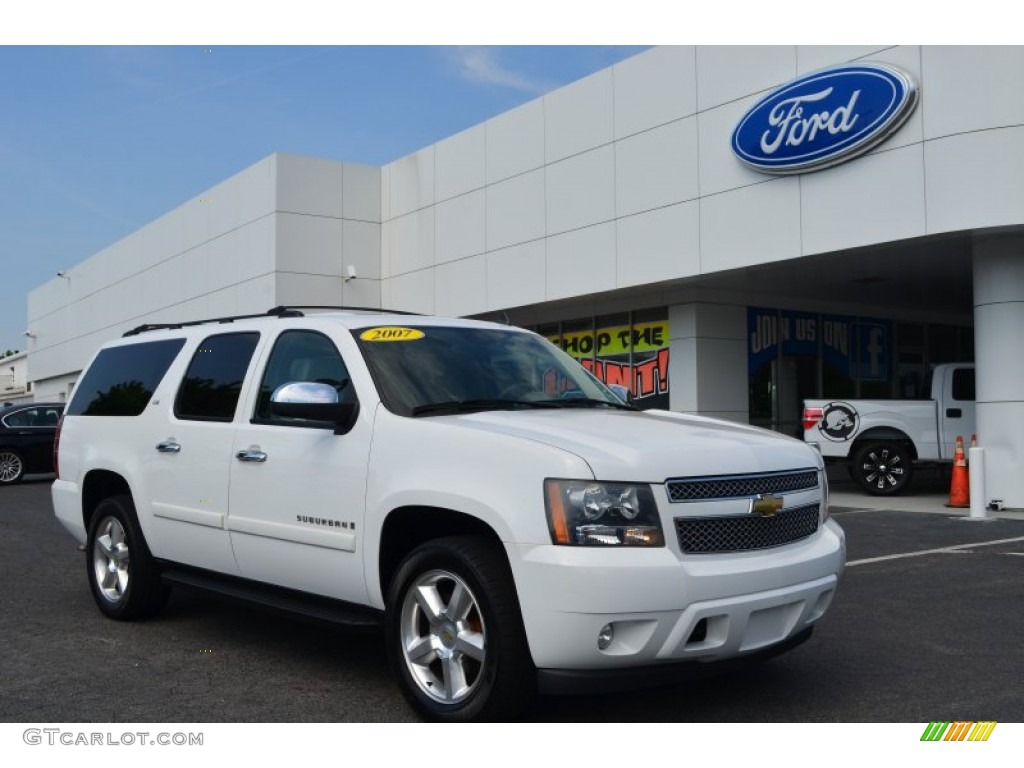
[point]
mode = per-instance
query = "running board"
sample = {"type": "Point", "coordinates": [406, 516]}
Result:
{"type": "Point", "coordinates": [316, 607]}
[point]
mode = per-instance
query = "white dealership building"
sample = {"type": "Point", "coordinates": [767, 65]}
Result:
{"type": "Point", "coordinates": [617, 216]}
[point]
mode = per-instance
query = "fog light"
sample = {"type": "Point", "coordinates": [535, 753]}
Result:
{"type": "Point", "coordinates": [604, 637]}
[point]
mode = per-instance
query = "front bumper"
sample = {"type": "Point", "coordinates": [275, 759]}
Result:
{"type": "Point", "coordinates": [586, 682]}
{"type": "Point", "coordinates": [665, 607]}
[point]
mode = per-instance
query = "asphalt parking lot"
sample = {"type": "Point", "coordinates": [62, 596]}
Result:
{"type": "Point", "coordinates": [926, 626]}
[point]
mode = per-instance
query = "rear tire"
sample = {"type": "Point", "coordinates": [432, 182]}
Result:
{"type": "Point", "coordinates": [122, 575]}
{"type": "Point", "coordinates": [882, 468]}
{"type": "Point", "coordinates": [455, 634]}
{"type": "Point", "coordinates": [12, 466]}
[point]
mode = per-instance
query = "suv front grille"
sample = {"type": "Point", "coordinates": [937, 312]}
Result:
{"type": "Point", "coordinates": [739, 533]}
{"type": "Point", "coordinates": [738, 486]}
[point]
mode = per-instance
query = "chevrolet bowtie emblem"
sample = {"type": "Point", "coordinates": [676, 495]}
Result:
{"type": "Point", "coordinates": [765, 504]}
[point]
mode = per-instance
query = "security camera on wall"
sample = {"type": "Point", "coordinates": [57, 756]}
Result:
{"type": "Point", "coordinates": [350, 272]}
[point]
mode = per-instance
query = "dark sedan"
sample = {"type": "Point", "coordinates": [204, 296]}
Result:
{"type": "Point", "coordinates": [26, 439]}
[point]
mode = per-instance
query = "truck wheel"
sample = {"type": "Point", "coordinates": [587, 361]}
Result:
{"type": "Point", "coordinates": [882, 468]}
{"type": "Point", "coordinates": [455, 635]}
{"type": "Point", "coordinates": [124, 580]}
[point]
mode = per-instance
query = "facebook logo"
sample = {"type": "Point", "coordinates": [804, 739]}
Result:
{"type": "Point", "coordinates": [873, 348]}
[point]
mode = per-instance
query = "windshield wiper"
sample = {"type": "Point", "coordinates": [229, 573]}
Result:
{"type": "Point", "coordinates": [479, 404]}
{"type": "Point", "coordinates": [587, 402]}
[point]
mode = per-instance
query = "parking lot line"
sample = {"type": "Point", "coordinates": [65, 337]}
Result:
{"type": "Point", "coordinates": [919, 553]}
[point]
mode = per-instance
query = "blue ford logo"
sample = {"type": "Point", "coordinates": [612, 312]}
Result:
{"type": "Point", "coordinates": [824, 118]}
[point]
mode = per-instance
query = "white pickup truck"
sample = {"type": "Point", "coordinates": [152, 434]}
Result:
{"type": "Point", "coordinates": [882, 439]}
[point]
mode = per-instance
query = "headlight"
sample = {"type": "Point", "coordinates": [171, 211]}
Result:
{"type": "Point", "coordinates": [584, 513]}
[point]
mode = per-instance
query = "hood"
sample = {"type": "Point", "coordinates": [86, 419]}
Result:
{"type": "Point", "coordinates": [649, 446]}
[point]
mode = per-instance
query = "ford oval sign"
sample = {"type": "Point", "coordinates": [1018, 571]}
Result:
{"type": "Point", "coordinates": [824, 118]}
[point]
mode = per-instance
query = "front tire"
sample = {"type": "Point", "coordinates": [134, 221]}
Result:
{"type": "Point", "coordinates": [12, 466]}
{"type": "Point", "coordinates": [882, 468]}
{"type": "Point", "coordinates": [455, 635]}
{"type": "Point", "coordinates": [122, 575]}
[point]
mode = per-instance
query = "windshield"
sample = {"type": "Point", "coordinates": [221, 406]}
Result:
{"type": "Point", "coordinates": [430, 370]}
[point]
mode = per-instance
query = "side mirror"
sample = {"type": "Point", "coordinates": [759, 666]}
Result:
{"type": "Point", "coordinates": [622, 392]}
{"type": "Point", "coordinates": [315, 402]}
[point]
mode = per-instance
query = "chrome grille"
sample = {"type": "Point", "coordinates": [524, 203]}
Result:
{"type": "Point", "coordinates": [739, 533]}
{"type": "Point", "coordinates": [738, 486]}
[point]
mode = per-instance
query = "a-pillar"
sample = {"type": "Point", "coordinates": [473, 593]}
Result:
{"type": "Point", "coordinates": [708, 364]}
{"type": "Point", "coordinates": [999, 355]}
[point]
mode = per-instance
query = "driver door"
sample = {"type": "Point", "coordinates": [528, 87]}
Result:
{"type": "Point", "coordinates": [298, 489]}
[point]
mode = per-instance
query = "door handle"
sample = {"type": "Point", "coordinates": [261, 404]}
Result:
{"type": "Point", "coordinates": [954, 413]}
{"type": "Point", "coordinates": [251, 454]}
{"type": "Point", "coordinates": [169, 446]}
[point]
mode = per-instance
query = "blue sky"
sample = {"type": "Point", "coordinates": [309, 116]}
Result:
{"type": "Point", "coordinates": [97, 141]}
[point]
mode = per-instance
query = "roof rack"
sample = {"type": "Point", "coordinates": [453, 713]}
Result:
{"type": "Point", "coordinates": [280, 312]}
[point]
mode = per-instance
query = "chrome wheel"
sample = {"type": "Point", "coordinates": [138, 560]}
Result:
{"type": "Point", "coordinates": [443, 638]}
{"type": "Point", "coordinates": [882, 469]}
{"type": "Point", "coordinates": [111, 560]}
{"type": "Point", "coordinates": [11, 467]}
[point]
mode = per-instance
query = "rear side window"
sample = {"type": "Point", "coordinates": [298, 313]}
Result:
{"type": "Point", "coordinates": [121, 380]}
{"type": "Point", "coordinates": [210, 389]}
{"type": "Point", "coordinates": [33, 417]}
{"type": "Point", "coordinates": [963, 384]}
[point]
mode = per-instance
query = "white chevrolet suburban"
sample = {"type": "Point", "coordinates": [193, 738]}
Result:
{"type": "Point", "coordinates": [509, 523]}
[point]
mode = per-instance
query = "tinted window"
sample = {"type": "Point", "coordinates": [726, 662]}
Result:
{"type": "Point", "coordinates": [963, 384]}
{"type": "Point", "coordinates": [211, 386]}
{"type": "Point", "coordinates": [302, 356]}
{"type": "Point", "coordinates": [33, 417]}
{"type": "Point", "coordinates": [121, 380]}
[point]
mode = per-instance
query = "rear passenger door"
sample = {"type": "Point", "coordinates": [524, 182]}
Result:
{"type": "Point", "coordinates": [188, 458]}
{"type": "Point", "coordinates": [298, 489]}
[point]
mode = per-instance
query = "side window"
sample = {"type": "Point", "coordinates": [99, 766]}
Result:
{"type": "Point", "coordinates": [213, 381]}
{"type": "Point", "coordinates": [121, 380]}
{"type": "Point", "coordinates": [963, 384]}
{"type": "Point", "coordinates": [26, 418]}
{"type": "Point", "coordinates": [301, 356]}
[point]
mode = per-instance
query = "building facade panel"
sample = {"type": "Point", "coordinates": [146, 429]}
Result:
{"type": "Point", "coordinates": [460, 287]}
{"type": "Point", "coordinates": [975, 179]}
{"type": "Point", "coordinates": [515, 210]}
{"type": "Point", "coordinates": [515, 142]}
{"type": "Point", "coordinates": [461, 227]}
{"type": "Point", "coordinates": [411, 183]}
{"type": "Point", "coordinates": [654, 88]}
{"type": "Point", "coordinates": [972, 88]}
{"type": "Point", "coordinates": [517, 275]}
{"type": "Point", "coordinates": [810, 58]}
{"type": "Point", "coordinates": [726, 73]}
{"type": "Point", "coordinates": [658, 245]}
{"type": "Point", "coordinates": [581, 262]}
{"type": "Point", "coordinates": [579, 118]}
{"type": "Point", "coordinates": [656, 168]}
{"type": "Point", "coordinates": [580, 190]}
{"type": "Point", "coordinates": [460, 163]}
{"type": "Point", "coordinates": [750, 225]}
{"type": "Point", "coordinates": [893, 211]}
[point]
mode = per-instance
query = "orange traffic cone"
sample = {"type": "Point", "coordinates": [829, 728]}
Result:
{"type": "Point", "coordinates": [959, 488]}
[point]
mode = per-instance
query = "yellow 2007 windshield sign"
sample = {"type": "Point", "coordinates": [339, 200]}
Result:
{"type": "Point", "coordinates": [391, 333]}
